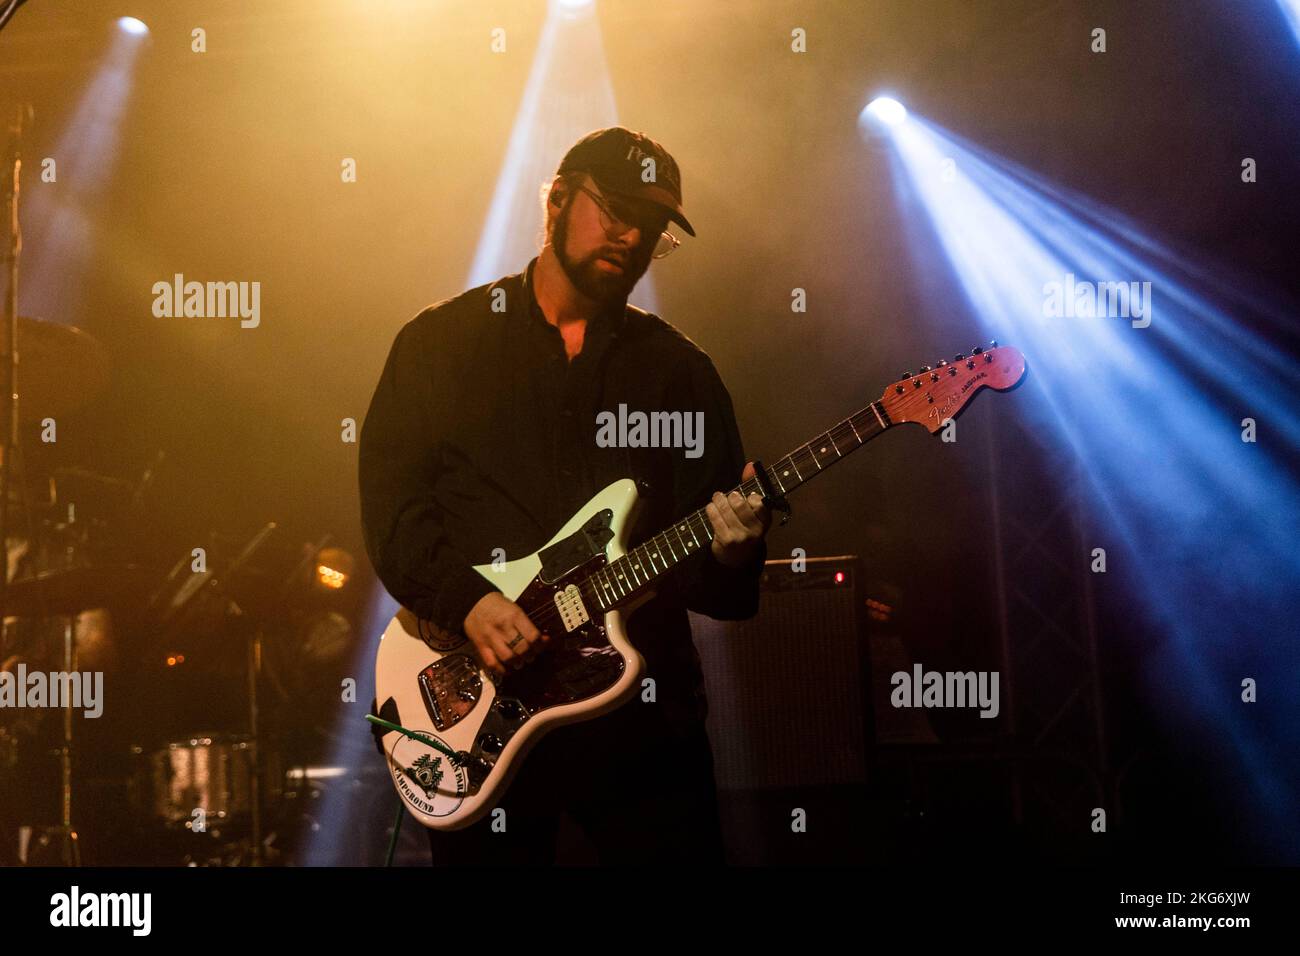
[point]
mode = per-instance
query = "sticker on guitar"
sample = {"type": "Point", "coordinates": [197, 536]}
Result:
{"type": "Point", "coordinates": [438, 638]}
{"type": "Point", "coordinates": [427, 779]}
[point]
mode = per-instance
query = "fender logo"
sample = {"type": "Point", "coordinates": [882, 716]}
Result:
{"type": "Point", "coordinates": [940, 412]}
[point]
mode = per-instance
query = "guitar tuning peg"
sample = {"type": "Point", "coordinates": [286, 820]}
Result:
{"type": "Point", "coordinates": [958, 358]}
{"type": "Point", "coordinates": [925, 368]}
{"type": "Point", "coordinates": [905, 377]}
{"type": "Point", "coordinates": [941, 363]}
{"type": "Point", "coordinates": [977, 350]}
{"type": "Point", "coordinates": [993, 343]}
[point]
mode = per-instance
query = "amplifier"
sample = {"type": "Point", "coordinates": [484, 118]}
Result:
{"type": "Point", "coordinates": [787, 688]}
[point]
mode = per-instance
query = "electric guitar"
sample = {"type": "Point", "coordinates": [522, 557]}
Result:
{"type": "Point", "coordinates": [457, 733]}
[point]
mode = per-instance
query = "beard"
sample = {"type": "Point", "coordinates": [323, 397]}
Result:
{"type": "Point", "coordinates": [586, 276]}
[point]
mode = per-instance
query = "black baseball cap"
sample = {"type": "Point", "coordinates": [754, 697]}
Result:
{"type": "Point", "coordinates": [616, 158]}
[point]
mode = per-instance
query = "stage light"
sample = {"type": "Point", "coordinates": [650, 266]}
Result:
{"type": "Point", "coordinates": [568, 94]}
{"type": "Point", "coordinates": [328, 577]}
{"type": "Point", "coordinates": [885, 110]}
{"type": "Point", "coordinates": [132, 26]}
{"type": "Point", "coordinates": [334, 568]}
{"type": "Point", "coordinates": [1149, 388]}
{"type": "Point", "coordinates": [59, 234]}
{"type": "Point", "coordinates": [1291, 13]}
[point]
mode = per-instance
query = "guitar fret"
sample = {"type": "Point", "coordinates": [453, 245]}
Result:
{"type": "Point", "coordinates": [692, 531]}
{"type": "Point", "coordinates": [703, 522]}
{"type": "Point", "coordinates": [640, 566]}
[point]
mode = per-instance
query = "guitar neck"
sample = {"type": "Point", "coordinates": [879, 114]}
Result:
{"type": "Point", "coordinates": [624, 579]}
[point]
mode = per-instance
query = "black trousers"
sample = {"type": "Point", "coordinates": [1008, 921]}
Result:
{"type": "Point", "coordinates": [638, 781]}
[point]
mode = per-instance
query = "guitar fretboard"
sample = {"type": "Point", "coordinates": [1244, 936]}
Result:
{"type": "Point", "coordinates": [622, 580]}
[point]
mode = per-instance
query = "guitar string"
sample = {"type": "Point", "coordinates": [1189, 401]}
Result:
{"type": "Point", "coordinates": [549, 615]}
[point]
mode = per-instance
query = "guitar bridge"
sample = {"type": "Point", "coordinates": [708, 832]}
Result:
{"type": "Point", "coordinates": [451, 688]}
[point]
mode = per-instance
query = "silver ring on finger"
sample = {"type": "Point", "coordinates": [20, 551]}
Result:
{"type": "Point", "coordinates": [519, 636]}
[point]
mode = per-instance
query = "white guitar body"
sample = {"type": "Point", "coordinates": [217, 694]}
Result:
{"type": "Point", "coordinates": [431, 682]}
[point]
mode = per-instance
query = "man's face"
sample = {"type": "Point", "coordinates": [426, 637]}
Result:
{"type": "Point", "coordinates": [604, 267]}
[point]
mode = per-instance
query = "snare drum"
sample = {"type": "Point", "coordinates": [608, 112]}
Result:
{"type": "Point", "coordinates": [209, 772]}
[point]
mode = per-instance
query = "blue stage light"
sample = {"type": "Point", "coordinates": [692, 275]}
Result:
{"type": "Point", "coordinates": [884, 110]}
{"type": "Point", "coordinates": [1291, 12]}
{"type": "Point", "coordinates": [1146, 367]}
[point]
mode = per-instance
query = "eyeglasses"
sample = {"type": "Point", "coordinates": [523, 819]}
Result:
{"type": "Point", "coordinates": [616, 219]}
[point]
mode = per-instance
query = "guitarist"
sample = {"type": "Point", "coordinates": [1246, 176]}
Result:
{"type": "Point", "coordinates": [481, 441]}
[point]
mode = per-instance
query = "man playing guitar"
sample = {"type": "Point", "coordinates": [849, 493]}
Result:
{"type": "Point", "coordinates": [481, 440]}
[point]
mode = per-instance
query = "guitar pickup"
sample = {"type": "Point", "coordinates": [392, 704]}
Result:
{"type": "Point", "coordinates": [573, 613]}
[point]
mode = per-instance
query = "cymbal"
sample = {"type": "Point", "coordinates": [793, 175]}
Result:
{"type": "Point", "coordinates": [73, 590]}
{"type": "Point", "coordinates": [60, 368]}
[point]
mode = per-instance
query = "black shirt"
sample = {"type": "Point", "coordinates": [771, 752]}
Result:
{"type": "Point", "coordinates": [481, 435]}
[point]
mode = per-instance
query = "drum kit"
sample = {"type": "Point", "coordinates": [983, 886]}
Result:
{"type": "Point", "coordinates": [190, 762]}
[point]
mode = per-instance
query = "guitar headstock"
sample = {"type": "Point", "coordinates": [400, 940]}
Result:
{"type": "Point", "coordinates": [933, 395]}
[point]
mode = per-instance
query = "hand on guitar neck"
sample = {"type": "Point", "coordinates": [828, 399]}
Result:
{"type": "Point", "coordinates": [739, 523]}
